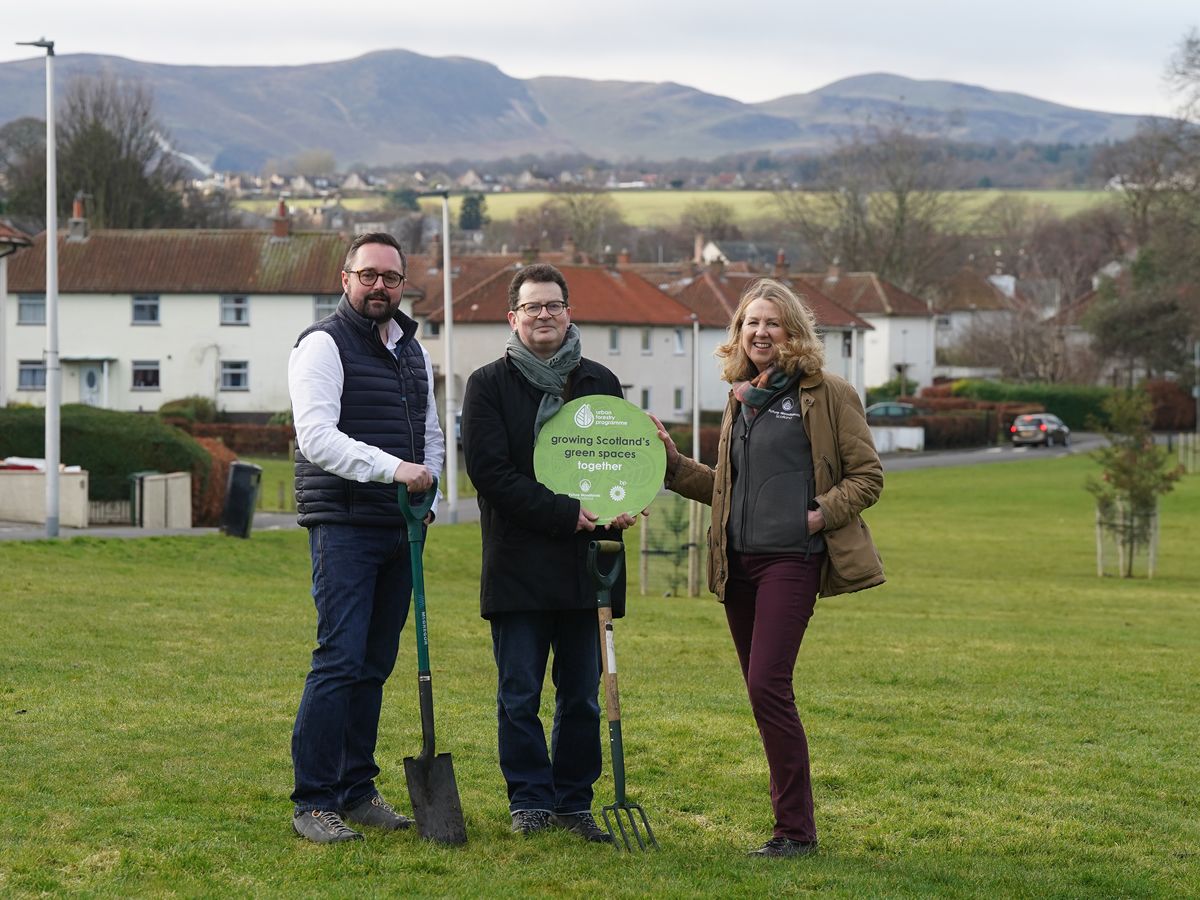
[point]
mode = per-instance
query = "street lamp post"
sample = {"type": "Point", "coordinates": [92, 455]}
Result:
{"type": "Point", "coordinates": [451, 419]}
{"type": "Point", "coordinates": [53, 366]}
{"type": "Point", "coordinates": [694, 511]}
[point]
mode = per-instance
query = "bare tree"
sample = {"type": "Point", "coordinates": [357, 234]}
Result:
{"type": "Point", "coordinates": [711, 218]}
{"type": "Point", "coordinates": [885, 208]}
{"type": "Point", "coordinates": [593, 219]}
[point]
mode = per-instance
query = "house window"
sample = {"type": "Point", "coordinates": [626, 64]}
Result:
{"type": "Point", "coordinates": [235, 375]}
{"type": "Point", "coordinates": [614, 340]}
{"type": "Point", "coordinates": [848, 344]}
{"type": "Point", "coordinates": [647, 341]}
{"type": "Point", "coordinates": [432, 329]}
{"type": "Point", "coordinates": [679, 345]}
{"type": "Point", "coordinates": [678, 399]}
{"type": "Point", "coordinates": [324, 305]}
{"type": "Point", "coordinates": [145, 374]}
{"type": "Point", "coordinates": [31, 375]}
{"type": "Point", "coordinates": [145, 309]}
{"type": "Point", "coordinates": [943, 322]}
{"type": "Point", "coordinates": [31, 309]}
{"type": "Point", "coordinates": [235, 310]}
{"type": "Point", "coordinates": [645, 398]}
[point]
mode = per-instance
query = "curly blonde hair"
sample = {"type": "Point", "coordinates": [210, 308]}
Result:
{"type": "Point", "coordinates": [804, 349]}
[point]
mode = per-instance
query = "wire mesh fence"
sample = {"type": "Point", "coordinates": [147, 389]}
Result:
{"type": "Point", "coordinates": [669, 549]}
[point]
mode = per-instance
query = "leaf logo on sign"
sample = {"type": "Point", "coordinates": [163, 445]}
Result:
{"type": "Point", "coordinates": [584, 417]}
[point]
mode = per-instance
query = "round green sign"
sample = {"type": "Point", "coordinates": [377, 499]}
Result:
{"type": "Point", "coordinates": [604, 452]}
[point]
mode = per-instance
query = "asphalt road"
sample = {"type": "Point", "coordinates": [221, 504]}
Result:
{"type": "Point", "coordinates": [1081, 442]}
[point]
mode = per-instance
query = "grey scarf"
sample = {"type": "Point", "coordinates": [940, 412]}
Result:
{"type": "Point", "coordinates": [547, 375]}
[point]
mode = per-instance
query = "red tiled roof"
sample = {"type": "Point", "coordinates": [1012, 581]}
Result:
{"type": "Point", "coordinates": [866, 293]}
{"type": "Point", "coordinates": [10, 236]}
{"type": "Point", "coordinates": [715, 297]}
{"type": "Point", "coordinates": [186, 262]}
{"type": "Point", "coordinates": [425, 276]}
{"type": "Point", "coordinates": [598, 295]}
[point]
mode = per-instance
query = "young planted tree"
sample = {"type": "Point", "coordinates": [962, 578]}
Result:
{"type": "Point", "coordinates": [1134, 474]}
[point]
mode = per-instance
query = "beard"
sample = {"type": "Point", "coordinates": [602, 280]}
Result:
{"type": "Point", "coordinates": [372, 310]}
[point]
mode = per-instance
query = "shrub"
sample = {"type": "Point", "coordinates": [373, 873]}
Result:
{"type": "Point", "coordinates": [245, 439]}
{"type": "Point", "coordinates": [110, 445]}
{"type": "Point", "coordinates": [193, 409]}
{"type": "Point", "coordinates": [283, 417]}
{"type": "Point", "coordinates": [972, 428]}
{"type": "Point", "coordinates": [208, 499]}
{"type": "Point", "coordinates": [1075, 404]}
{"type": "Point", "coordinates": [1174, 408]}
{"type": "Point", "coordinates": [891, 390]}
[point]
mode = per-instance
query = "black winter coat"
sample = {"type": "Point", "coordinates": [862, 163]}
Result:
{"type": "Point", "coordinates": [533, 559]}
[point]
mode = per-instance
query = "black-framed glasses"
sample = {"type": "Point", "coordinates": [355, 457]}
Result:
{"type": "Point", "coordinates": [533, 310]}
{"type": "Point", "coordinates": [368, 277]}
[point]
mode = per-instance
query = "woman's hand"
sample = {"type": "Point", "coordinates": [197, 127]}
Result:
{"type": "Point", "coordinates": [668, 444]}
{"type": "Point", "coordinates": [816, 521]}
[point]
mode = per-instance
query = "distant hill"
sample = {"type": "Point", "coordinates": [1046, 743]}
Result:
{"type": "Point", "coordinates": [394, 106]}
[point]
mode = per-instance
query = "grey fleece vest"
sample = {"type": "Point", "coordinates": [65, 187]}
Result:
{"type": "Point", "coordinates": [384, 400]}
{"type": "Point", "coordinates": [773, 484]}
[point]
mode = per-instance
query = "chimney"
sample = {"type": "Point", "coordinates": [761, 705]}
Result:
{"type": "Point", "coordinates": [529, 254]}
{"type": "Point", "coordinates": [781, 264]}
{"type": "Point", "coordinates": [698, 250]}
{"type": "Point", "coordinates": [77, 225]}
{"type": "Point", "coordinates": [281, 222]}
{"type": "Point", "coordinates": [623, 257]}
{"type": "Point", "coordinates": [570, 251]}
{"type": "Point", "coordinates": [436, 249]}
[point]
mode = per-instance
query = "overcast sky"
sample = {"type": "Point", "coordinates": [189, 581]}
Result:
{"type": "Point", "coordinates": [1097, 54]}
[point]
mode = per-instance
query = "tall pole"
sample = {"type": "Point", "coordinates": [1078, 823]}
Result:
{"type": "Point", "coordinates": [53, 366]}
{"type": "Point", "coordinates": [448, 341]}
{"type": "Point", "coordinates": [694, 511]}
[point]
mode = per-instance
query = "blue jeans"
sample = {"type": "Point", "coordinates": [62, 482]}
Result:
{"type": "Point", "coordinates": [559, 780]}
{"type": "Point", "coordinates": [362, 586]}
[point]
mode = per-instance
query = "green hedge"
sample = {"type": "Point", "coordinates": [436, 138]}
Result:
{"type": "Point", "coordinates": [1075, 404]}
{"type": "Point", "coordinates": [109, 445]}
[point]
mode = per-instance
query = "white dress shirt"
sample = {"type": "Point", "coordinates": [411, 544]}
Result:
{"type": "Point", "coordinates": [315, 380]}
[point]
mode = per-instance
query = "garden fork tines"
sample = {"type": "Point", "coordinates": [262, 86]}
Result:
{"type": "Point", "coordinates": [622, 818]}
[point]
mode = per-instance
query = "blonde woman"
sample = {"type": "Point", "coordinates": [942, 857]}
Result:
{"type": "Point", "coordinates": [795, 467]}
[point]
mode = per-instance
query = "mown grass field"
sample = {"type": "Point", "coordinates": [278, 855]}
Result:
{"type": "Point", "coordinates": [994, 722]}
{"type": "Point", "coordinates": [664, 208]}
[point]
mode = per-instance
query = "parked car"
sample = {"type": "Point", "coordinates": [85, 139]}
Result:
{"type": "Point", "coordinates": [1040, 428]}
{"type": "Point", "coordinates": [890, 413]}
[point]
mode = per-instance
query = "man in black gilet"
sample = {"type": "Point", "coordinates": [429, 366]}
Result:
{"type": "Point", "coordinates": [362, 399]}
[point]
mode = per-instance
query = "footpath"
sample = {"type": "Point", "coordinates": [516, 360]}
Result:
{"type": "Point", "coordinates": [468, 511]}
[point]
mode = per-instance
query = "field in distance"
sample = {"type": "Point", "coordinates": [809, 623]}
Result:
{"type": "Point", "coordinates": [664, 208]}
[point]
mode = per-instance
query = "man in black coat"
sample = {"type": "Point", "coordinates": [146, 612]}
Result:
{"type": "Point", "coordinates": [535, 590]}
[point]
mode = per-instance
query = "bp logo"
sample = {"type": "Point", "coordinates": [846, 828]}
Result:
{"type": "Point", "coordinates": [584, 417]}
{"type": "Point", "coordinates": [584, 486]}
{"type": "Point", "coordinates": [616, 493]}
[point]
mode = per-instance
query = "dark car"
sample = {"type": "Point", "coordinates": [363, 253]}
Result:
{"type": "Point", "coordinates": [1040, 428]}
{"type": "Point", "coordinates": [890, 413]}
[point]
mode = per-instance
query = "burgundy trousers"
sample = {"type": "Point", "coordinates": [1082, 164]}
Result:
{"type": "Point", "coordinates": [769, 599]}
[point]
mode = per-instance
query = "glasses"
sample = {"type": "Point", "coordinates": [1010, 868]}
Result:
{"type": "Point", "coordinates": [368, 277]}
{"type": "Point", "coordinates": [533, 310]}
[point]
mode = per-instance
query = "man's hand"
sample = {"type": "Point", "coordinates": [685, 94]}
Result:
{"type": "Point", "coordinates": [417, 477]}
{"type": "Point", "coordinates": [587, 520]}
{"type": "Point", "coordinates": [668, 444]}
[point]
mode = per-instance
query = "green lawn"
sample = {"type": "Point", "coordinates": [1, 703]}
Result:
{"type": "Point", "coordinates": [994, 722]}
{"type": "Point", "coordinates": [664, 208]}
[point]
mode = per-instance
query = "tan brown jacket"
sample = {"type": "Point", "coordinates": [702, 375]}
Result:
{"type": "Point", "coordinates": [847, 482]}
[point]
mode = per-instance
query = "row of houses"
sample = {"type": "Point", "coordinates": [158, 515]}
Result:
{"type": "Point", "coordinates": [156, 315]}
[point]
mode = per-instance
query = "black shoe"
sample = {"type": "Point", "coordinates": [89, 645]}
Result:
{"type": "Point", "coordinates": [375, 812]}
{"type": "Point", "coordinates": [583, 825]}
{"type": "Point", "coordinates": [527, 821]}
{"type": "Point", "coordinates": [323, 827]}
{"type": "Point", "coordinates": [781, 846]}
